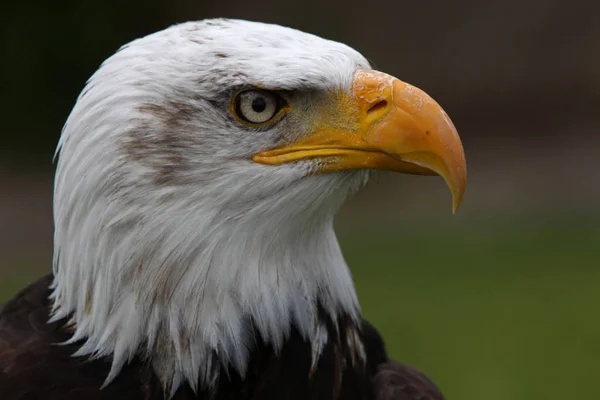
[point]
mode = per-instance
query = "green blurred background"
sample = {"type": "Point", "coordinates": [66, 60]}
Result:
{"type": "Point", "coordinates": [498, 302]}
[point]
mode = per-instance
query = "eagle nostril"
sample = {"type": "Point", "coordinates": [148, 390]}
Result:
{"type": "Point", "coordinates": [381, 104]}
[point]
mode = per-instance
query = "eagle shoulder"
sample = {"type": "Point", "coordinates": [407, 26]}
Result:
{"type": "Point", "coordinates": [33, 364]}
{"type": "Point", "coordinates": [23, 323]}
{"type": "Point", "coordinates": [392, 380]}
{"type": "Point", "coordinates": [395, 381]}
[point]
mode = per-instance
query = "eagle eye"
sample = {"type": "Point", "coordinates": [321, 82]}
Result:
{"type": "Point", "coordinates": [257, 106]}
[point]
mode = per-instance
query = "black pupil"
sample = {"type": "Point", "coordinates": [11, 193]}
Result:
{"type": "Point", "coordinates": [259, 104]}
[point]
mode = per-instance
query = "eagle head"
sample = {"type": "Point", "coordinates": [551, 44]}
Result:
{"type": "Point", "coordinates": [198, 176]}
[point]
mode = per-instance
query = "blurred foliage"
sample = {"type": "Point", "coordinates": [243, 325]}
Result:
{"type": "Point", "coordinates": [490, 313]}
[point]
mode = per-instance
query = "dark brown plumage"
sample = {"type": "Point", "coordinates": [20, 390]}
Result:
{"type": "Point", "coordinates": [33, 366]}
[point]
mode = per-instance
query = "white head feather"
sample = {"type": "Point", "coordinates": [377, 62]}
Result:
{"type": "Point", "coordinates": [168, 236]}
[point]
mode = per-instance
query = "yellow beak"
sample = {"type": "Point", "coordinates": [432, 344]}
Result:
{"type": "Point", "coordinates": [391, 125]}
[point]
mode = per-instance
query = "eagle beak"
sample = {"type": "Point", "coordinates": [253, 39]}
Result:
{"type": "Point", "coordinates": [389, 125]}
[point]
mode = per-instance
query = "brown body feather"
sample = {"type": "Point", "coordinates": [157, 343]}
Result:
{"type": "Point", "coordinates": [34, 366]}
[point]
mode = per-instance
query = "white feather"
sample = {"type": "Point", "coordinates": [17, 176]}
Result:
{"type": "Point", "coordinates": [167, 235]}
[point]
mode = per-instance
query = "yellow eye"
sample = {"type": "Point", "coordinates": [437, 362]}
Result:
{"type": "Point", "coordinates": [257, 106]}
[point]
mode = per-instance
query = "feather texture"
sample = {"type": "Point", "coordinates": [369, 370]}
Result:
{"type": "Point", "coordinates": [167, 234]}
{"type": "Point", "coordinates": [33, 366]}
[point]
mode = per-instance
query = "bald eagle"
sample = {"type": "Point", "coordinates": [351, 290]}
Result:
{"type": "Point", "coordinates": [194, 253]}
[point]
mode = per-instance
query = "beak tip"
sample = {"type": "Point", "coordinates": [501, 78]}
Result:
{"type": "Point", "coordinates": [457, 189]}
{"type": "Point", "coordinates": [455, 206]}
{"type": "Point", "coordinates": [457, 197]}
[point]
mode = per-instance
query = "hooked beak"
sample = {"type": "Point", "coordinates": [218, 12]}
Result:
{"type": "Point", "coordinates": [393, 126]}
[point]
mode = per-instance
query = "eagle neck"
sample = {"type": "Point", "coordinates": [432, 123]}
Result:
{"type": "Point", "coordinates": [189, 303]}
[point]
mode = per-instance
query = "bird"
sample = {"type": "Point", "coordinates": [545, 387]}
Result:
{"type": "Point", "coordinates": [197, 178]}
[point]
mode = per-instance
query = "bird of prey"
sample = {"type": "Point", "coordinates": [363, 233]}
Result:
{"type": "Point", "coordinates": [197, 179]}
